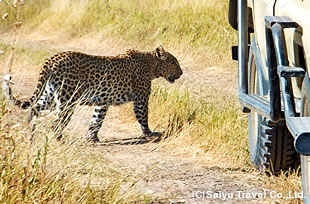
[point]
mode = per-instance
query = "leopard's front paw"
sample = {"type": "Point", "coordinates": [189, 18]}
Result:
{"type": "Point", "coordinates": [152, 134]}
{"type": "Point", "coordinates": [156, 134]}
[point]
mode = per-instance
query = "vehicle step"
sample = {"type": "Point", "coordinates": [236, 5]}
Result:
{"type": "Point", "coordinates": [256, 103]}
{"type": "Point", "coordinates": [284, 21]}
{"type": "Point", "coordinates": [234, 52]}
{"type": "Point", "coordinates": [286, 71]}
{"type": "Point", "coordinates": [300, 129]}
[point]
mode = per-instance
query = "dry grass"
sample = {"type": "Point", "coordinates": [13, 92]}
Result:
{"type": "Point", "coordinates": [45, 171]}
{"type": "Point", "coordinates": [217, 128]}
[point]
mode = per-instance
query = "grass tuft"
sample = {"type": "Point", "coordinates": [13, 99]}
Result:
{"type": "Point", "coordinates": [217, 128]}
{"type": "Point", "coordinates": [29, 173]}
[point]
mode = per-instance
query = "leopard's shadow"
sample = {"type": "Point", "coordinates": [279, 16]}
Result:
{"type": "Point", "coordinates": [130, 141]}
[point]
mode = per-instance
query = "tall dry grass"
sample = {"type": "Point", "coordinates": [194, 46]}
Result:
{"type": "Point", "coordinates": [216, 128]}
{"type": "Point", "coordinates": [45, 172]}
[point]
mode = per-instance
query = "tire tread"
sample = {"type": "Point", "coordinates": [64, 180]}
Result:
{"type": "Point", "coordinates": [277, 151]}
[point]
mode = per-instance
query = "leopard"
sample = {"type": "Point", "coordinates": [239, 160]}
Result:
{"type": "Point", "coordinates": [72, 78]}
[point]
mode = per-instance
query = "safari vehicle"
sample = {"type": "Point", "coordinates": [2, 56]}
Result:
{"type": "Point", "coordinates": [273, 56]}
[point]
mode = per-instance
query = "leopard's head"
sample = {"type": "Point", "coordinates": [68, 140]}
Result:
{"type": "Point", "coordinates": [167, 66]}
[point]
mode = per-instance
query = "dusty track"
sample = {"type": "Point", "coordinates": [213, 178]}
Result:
{"type": "Point", "coordinates": [160, 171]}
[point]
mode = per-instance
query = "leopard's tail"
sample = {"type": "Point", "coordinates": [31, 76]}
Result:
{"type": "Point", "coordinates": [7, 91]}
{"type": "Point", "coordinates": [25, 104]}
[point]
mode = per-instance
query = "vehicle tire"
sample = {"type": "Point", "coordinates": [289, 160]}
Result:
{"type": "Point", "coordinates": [305, 160]}
{"type": "Point", "coordinates": [271, 145]}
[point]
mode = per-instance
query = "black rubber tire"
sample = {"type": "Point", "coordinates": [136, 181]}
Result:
{"type": "Point", "coordinates": [305, 160]}
{"type": "Point", "coordinates": [271, 145]}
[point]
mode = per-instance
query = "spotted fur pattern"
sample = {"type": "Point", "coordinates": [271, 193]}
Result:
{"type": "Point", "coordinates": [71, 78]}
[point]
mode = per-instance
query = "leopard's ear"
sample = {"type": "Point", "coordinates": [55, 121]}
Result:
{"type": "Point", "coordinates": [161, 53]}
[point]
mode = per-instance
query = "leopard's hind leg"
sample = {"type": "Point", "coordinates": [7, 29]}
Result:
{"type": "Point", "coordinates": [43, 102]}
{"type": "Point", "coordinates": [65, 110]}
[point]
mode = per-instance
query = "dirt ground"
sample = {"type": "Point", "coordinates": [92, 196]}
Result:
{"type": "Point", "coordinates": [161, 171]}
